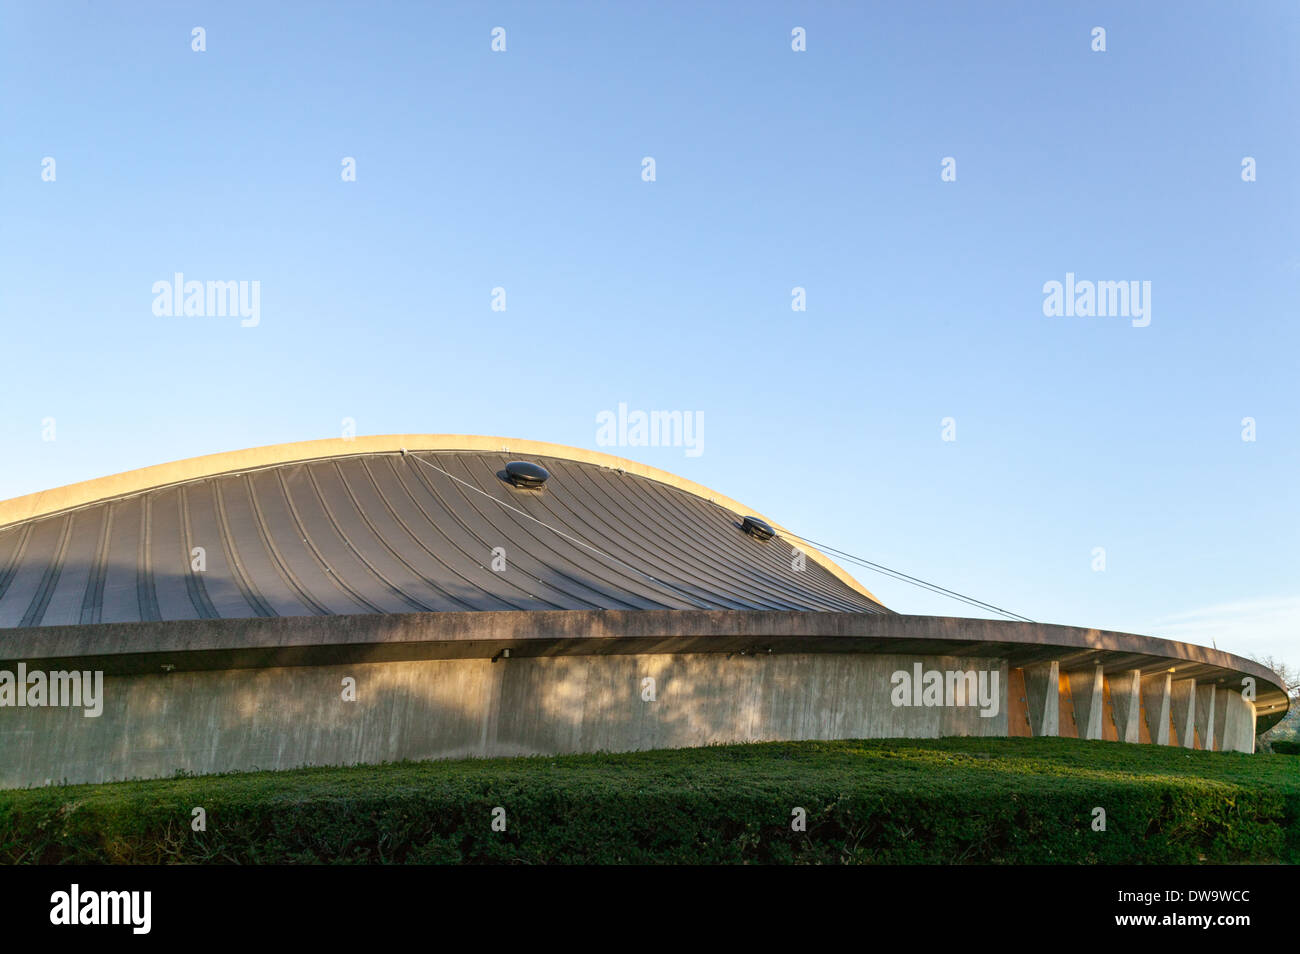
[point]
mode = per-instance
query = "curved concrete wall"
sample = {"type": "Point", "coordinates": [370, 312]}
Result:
{"type": "Point", "coordinates": [219, 695]}
{"type": "Point", "coordinates": [215, 721]}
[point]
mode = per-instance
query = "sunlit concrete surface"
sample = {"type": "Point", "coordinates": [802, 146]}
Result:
{"type": "Point", "coordinates": [202, 722]}
{"type": "Point", "coordinates": [219, 695]}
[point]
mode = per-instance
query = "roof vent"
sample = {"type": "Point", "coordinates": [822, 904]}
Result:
{"type": "Point", "coordinates": [758, 528]}
{"type": "Point", "coordinates": [521, 473]}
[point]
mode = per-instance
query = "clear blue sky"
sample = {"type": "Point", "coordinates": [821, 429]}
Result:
{"type": "Point", "coordinates": [775, 169]}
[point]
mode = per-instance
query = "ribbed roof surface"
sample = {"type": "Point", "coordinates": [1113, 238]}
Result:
{"type": "Point", "coordinates": [383, 533]}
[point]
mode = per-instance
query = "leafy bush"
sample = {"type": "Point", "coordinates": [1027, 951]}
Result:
{"type": "Point", "coordinates": [937, 801]}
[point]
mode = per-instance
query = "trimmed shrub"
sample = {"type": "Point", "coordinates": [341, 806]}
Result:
{"type": "Point", "coordinates": [940, 801]}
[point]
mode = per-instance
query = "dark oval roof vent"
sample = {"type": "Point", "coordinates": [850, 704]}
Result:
{"type": "Point", "coordinates": [521, 473]}
{"type": "Point", "coordinates": [758, 528]}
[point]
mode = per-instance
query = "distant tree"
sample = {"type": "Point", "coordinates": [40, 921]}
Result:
{"type": "Point", "coordinates": [1289, 728]}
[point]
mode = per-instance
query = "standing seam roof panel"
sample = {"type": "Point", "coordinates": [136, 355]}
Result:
{"type": "Point", "coordinates": [427, 575]}
{"type": "Point", "coordinates": [676, 518]}
{"type": "Point", "coordinates": [25, 584]}
{"type": "Point", "coordinates": [573, 593]}
{"type": "Point", "coordinates": [817, 577]}
{"type": "Point", "coordinates": [338, 548]}
{"type": "Point", "coordinates": [606, 575]}
{"type": "Point", "coordinates": [655, 560]}
{"type": "Point", "coordinates": [457, 538]}
{"type": "Point", "coordinates": [562, 504]}
{"type": "Point", "coordinates": [718, 531]}
{"type": "Point", "coordinates": [378, 533]}
{"type": "Point", "coordinates": [64, 606]}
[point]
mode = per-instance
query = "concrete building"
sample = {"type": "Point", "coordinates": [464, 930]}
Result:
{"type": "Point", "coordinates": [417, 596]}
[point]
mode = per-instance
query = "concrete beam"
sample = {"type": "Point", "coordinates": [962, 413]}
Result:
{"type": "Point", "coordinates": [1182, 697]}
{"type": "Point", "coordinates": [1043, 697]}
{"type": "Point", "coordinates": [1126, 703]}
{"type": "Point", "coordinates": [1087, 689]}
{"type": "Point", "coordinates": [1238, 721]}
{"type": "Point", "coordinates": [1205, 716]}
{"type": "Point", "coordinates": [1248, 729]}
{"type": "Point", "coordinates": [1155, 699]}
{"type": "Point", "coordinates": [1221, 705]}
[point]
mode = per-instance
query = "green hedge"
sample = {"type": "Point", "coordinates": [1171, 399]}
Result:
{"type": "Point", "coordinates": [1004, 801]}
{"type": "Point", "coordinates": [1291, 747]}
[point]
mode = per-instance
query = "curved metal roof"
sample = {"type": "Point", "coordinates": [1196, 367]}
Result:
{"type": "Point", "coordinates": [339, 528]}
